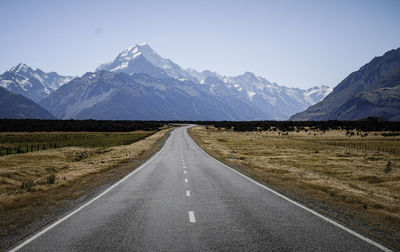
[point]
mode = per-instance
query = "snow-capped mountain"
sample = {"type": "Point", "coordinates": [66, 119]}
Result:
{"type": "Point", "coordinates": [119, 96]}
{"type": "Point", "coordinates": [141, 58]}
{"type": "Point", "coordinates": [33, 84]}
{"type": "Point", "coordinates": [250, 84]}
{"type": "Point", "coordinates": [316, 94]}
{"type": "Point", "coordinates": [275, 101]}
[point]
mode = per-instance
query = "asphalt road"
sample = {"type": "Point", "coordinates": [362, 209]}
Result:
{"type": "Point", "coordinates": [183, 200]}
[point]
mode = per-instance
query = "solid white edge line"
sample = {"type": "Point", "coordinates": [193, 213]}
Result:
{"type": "Point", "coordinates": [360, 236]}
{"type": "Point", "coordinates": [192, 219]}
{"type": "Point", "coordinates": [54, 224]}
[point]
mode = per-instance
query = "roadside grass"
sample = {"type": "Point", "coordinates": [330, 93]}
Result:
{"type": "Point", "coordinates": [37, 171]}
{"type": "Point", "coordinates": [36, 183]}
{"type": "Point", "coordinates": [355, 179]}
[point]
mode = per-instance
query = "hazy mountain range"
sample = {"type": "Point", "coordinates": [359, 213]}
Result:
{"type": "Point", "coordinates": [150, 87]}
{"type": "Point", "coordinates": [141, 85]}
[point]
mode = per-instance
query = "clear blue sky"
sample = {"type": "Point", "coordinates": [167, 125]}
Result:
{"type": "Point", "coordinates": [294, 43]}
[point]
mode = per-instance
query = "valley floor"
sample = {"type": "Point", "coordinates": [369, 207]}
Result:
{"type": "Point", "coordinates": [353, 179]}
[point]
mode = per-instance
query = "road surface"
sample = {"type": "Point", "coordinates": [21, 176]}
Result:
{"type": "Point", "coordinates": [184, 200]}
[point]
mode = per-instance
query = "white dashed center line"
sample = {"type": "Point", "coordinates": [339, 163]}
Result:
{"type": "Point", "coordinates": [185, 172]}
{"type": "Point", "coordinates": [186, 180]}
{"type": "Point", "coordinates": [188, 193]}
{"type": "Point", "coordinates": [192, 219]}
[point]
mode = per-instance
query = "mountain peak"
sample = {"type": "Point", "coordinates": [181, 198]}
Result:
{"type": "Point", "coordinates": [143, 44]}
{"type": "Point", "coordinates": [249, 77]}
{"type": "Point", "coordinates": [129, 54]}
{"type": "Point", "coordinates": [138, 46]}
{"type": "Point", "coordinates": [141, 58]}
{"type": "Point", "coordinates": [248, 73]}
{"type": "Point", "coordinates": [21, 67]}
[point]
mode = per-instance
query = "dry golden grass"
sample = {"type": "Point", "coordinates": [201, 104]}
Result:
{"type": "Point", "coordinates": [315, 168]}
{"type": "Point", "coordinates": [35, 184]}
{"type": "Point", "coordinates": [39, 171]}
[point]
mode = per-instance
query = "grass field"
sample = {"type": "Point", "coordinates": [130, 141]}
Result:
{"type": "Point", "coordinates": [36, 183]}
{"type": "Point", "coordinates": [353, 178]}
{"type": "Point", "coordinates": [22, 142]}
{"type": "Point", "coordinates": [88, 152]}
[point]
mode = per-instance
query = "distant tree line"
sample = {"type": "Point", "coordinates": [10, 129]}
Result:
{"type": "Point", "coordinates": [32, 125]}
{"type": "Point", "coordinates": [288, 126]}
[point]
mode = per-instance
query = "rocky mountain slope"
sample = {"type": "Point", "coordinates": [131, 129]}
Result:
{"type": "Point", "coordinates": [370, 91]}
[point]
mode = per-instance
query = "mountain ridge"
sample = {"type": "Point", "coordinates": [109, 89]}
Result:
{"type": "Point", "coordinates": [380, 72]}
{"type": "Point", "coordinates": [15, 106]}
